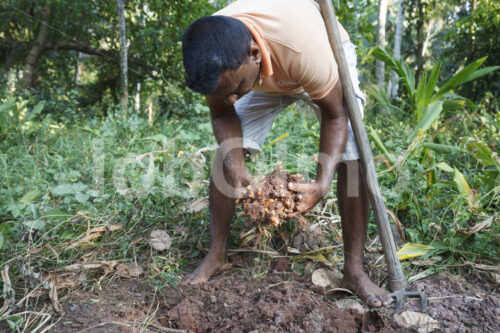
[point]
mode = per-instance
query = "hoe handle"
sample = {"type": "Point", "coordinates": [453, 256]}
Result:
{"type": "Point", "coordinates": [397, 280]}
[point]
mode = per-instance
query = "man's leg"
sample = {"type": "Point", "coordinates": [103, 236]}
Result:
{"type": "Point", "coordinates": [221, 209]}
{"type": "Point", "coordinates": [354, 208]}
{"type": "Point", "coordinates": [256, 111]}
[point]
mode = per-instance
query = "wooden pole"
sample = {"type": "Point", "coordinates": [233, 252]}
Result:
{"type": "Point", "coordinates": [397, 280]}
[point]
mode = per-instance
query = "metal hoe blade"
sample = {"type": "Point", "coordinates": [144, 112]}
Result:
{"type": "Point", "coordinates": [399, 295]}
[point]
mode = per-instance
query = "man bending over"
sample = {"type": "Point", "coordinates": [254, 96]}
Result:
{"type": "Point", "coordinates": [252, 59]}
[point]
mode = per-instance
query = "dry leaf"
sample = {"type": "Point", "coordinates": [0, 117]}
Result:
{"type": "Point", "coordinates": [420, 321]}
{"type": "Point", "coordinates": [9, 293]}
{"type": "Point", "coordinates": [93, 233]}
{"type": "Point", "coordinates": [129, 269]}
{"type": "Point", "coordinates": [196, 206]}
{"type": "Point", "coordinates": [495, 279]}
{"type": "Point", "coordinates": [324, 278]}
{"type": "Point", "coordinates": [54, 298]}
{"type": "Point", "coordinates": [476, 228]}
{"type": "Point", "coordinates": [483, 267]}
{"type": "Point", "coordinates": [398, 224]}
{"type": "Point", "coordinates": [160, 240]}
{"type": "Point", "coordinates": [347, 303]}
{"type": "Point", "coordinates": [108, 266]}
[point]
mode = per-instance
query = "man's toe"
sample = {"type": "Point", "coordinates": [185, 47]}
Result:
{"type": "Point", "coordinates": [374, 301]}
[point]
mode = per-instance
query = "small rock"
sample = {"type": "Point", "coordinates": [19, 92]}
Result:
{"type": "Point", "coordinates": [73, 308]}
{"type": "Point", "coordinates": [160, 240]}
{"type": "Point", "coordinates": [324, 277]}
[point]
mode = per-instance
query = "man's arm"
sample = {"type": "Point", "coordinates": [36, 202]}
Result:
{"type": "Point", "coordinates": [227, 126]}
{"type": "Point", "coordinates": [332, 142]}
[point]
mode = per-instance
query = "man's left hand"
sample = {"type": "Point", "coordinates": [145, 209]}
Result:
{"type": "Point", "coordinates": [309, 195]}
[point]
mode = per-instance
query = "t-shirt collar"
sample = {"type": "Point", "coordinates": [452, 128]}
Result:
{"type": "Point", "coordinates": [266, 68]}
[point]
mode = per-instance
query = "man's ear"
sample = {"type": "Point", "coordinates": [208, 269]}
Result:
{"type": "Point", "coordinates": [255, 54]}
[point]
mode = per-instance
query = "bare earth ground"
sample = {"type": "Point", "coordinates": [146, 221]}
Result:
{"type": "Point", "coordinates": [277, 302]}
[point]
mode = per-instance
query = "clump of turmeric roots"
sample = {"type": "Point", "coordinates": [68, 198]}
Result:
{"type": "Point", "coordinates": [268, 201]}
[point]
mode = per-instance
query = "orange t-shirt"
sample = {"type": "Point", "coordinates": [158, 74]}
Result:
{"type": "Point", "coordinates": [296, 53]}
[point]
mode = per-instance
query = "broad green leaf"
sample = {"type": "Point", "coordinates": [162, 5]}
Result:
{"type": "Point", "coordinates": [445, 167]}
{"type": "Point", "coordinates": [481, 72]}
{"type": "Point", "coordinates": [29, 197]}
{"type": "Point", "coordinates": [480, 151]}
{"type": "Point", "coordinates": [440, 148]}
{"type": "Point", "coordinates": [381, 97]}
{"type": "Point", "coordinates": [459, 78]}
{"type": "Point", "coordinates": [62, 189]}
{"type": "Point", "coordinates": [73, 174]}
{"type": "Point", "coordinates": [7, 105]}
{"type": "Point", "coordinates": [55, 215]}
{"type": "Point", "coordinates": [36, 110]}
{"type": "Point", "coordinates": [79, 187]}
{"type": "Point", "coordinates": [461, 182]}
{"type": "Point", "coordinates": [15, 209]}
{"type": "Point", "coordinates": [454, 104]}
{"type": "Point", "coordinates": [430, 116]}
{"type": "Point", "coordinates": [1, 241]}
{"type": "Point", "coordinates": [404, 72]}
{"type": "Point", "coordinates": [431, 83]}
{"type": "Point", "coordinates": [412, 250]}
{"type": "Point", "coordinates": [162, 139]}
{"type": "Point", "coordinates": [65, 189]}
{"type": "Point", "coordinates": [200, 108]}
{"type": "Point", "coordinates": [380, 145]}
{"type": "Point", "coordinates": [425, 89]}
{"type": "Point", "coordinates": [36, 224]}
{"type": "Point", "coordinates": [81, 197]}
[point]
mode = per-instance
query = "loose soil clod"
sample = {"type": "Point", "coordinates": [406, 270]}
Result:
{"type": "Point", "coordinates": [268, 201]}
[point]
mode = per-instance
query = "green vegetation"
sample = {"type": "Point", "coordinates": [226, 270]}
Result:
{"type": "Point", "coordinates": [81, 182]}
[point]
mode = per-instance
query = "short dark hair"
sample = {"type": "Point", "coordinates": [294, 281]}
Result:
{"type": "Point", "coordinates": [211, 45]}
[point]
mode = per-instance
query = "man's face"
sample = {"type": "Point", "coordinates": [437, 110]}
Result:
{"type": "Point", "coordinates": [233, 84]}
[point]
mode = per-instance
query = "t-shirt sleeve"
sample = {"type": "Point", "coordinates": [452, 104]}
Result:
{"type": "Point", "coordinates": [315, 68]}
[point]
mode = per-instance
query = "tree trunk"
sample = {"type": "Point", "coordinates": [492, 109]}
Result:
{"type": "Point", "coordinates": [420, 38]}
{"type": "Point", "coordinates": [379, 66]}
{"type": "Point", "coordinates": [123, 54]}
{"type": "Point", "coordinates": [78, 68]}
{"type": "Point", "coordinates": [429, 27]}
{"type": "Point", "coordinates": [36, 50]}
{"type": "Point", "coordinates": [473, 30]}
{"type": "Point", "coordinates": [138, 98]}
{"type": "Point", "coordinates": [393, 91]}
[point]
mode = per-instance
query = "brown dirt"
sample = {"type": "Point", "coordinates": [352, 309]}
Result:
{"type": "Point", "coordinates": [278, 302]}
{"type": "Point", "coordinates": [460, 305]}
{"type": "Point", "coordinates": [268, 201]}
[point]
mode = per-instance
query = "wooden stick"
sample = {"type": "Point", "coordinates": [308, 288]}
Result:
{"type": "Point", "coordinates": [397, 280]}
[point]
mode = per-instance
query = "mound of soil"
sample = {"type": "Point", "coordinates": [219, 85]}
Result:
{"type": "Point", "coordinates": [233, 303]}
{"type": "Point", "coordinates": [268, 201]}
{"type": "Point", "coordinates": [278, 302]}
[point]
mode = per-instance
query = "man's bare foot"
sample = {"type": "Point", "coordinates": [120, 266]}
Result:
{"type": "Point", "coordinates": [365, 289]}
{"type": "Point", "coordinates": [208, 267]}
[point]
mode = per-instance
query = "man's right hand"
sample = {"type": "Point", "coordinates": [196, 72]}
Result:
{"type": "Point", "coordinates": [240, 179]}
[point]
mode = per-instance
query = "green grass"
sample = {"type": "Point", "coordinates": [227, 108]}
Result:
{"type": "Point", "coordinates": [60, 180]}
